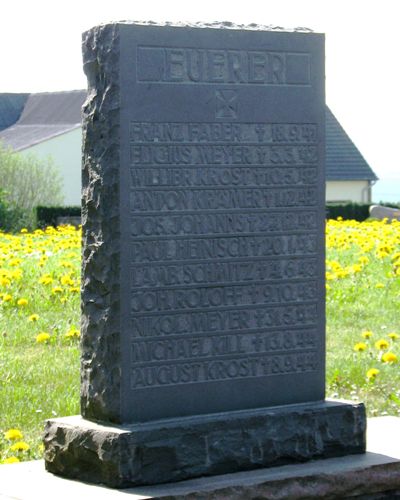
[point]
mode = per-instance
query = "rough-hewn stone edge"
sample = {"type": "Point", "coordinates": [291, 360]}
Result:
{"type": "Point", "coordinates": [100, 362]}
{"type": "Point", "coordinates": [215, 25]}
{"type": "Point", "coordinates": [178, 449]}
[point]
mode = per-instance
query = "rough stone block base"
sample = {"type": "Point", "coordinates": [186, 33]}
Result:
{"type": "Point", "coordinates": [177, 449]}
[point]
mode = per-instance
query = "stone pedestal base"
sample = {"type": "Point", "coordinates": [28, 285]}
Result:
{"type": "Point", "coordinates": [177, 449]}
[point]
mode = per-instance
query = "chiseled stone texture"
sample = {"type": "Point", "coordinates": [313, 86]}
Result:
{"type": "Point", "coordinates": [177, 449]}
{"type": "Point", "coordinates": [100, 363]}
{"type": "Point", "coordinates": [219, 25]}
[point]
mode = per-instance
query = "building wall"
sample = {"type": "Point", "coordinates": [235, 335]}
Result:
{"type": "Point", "coordinates": [65, 150]}
{"type": "Point", "coordinates": [356, 191]}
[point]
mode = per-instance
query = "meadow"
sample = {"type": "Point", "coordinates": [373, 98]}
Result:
{"type": "Point", "coordinates": [39, 326]}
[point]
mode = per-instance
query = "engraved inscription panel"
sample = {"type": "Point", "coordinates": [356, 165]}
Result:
{"type": "Point", "coordinates": [222, 192]}
{"type": "Point", "coordinates": [196, 65]}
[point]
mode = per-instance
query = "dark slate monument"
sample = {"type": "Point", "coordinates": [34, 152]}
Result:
{"type": "Point", "coordinates": [203, 341]}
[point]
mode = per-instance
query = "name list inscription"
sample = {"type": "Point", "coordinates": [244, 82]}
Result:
{"type": "Point", "coordinates": [222, 288]}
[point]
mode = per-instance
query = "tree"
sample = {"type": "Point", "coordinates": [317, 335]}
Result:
{"type": "Point", "coordinates": [26, 182]}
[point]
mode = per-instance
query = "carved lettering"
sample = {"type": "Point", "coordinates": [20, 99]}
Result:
{"type": "Point", "coordinates": [149, 276]}
{"type": "Point", "coordinates": [222, 176]}
{"type": "Point", "coordinates": [251, 318]}
{"type": "Point", "coordinates": [178, 349]}
{"type": "Point", "coordinates": [206, 371]}
{"type": "Point", "coordinates": [222, 288]}
{"type": "Point", "coordinates": [212, 199]}
{"type": "Point", "coordinates": [223, 296]}
{"type": "Point", "coordinates": [222, 248]}
{"type": "Point", "coordinates": [216, 66]}
{"type": "Point", "coordinates": [208, 224]}
{"type": "Point", "coordinates": [218, 154]}
{"type": "Point", "coordinates": [265, 133]}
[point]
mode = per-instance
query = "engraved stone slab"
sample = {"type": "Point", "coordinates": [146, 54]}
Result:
{"type": "Point", "coordinates": [204, 248]}
{"type": "Point", "coordinates": [203, 318]}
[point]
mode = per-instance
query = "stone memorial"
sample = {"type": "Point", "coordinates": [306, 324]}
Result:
{"type": "Point", "coordinates": [203, 328]}
{"type": "Point", "coordinates": [380, 212]}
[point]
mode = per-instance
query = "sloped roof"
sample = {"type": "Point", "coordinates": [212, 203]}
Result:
{"type": "Point", "coordinates": [11, 106]}
{"type": "Point", "coordinates": [44, 116]}
{"type": "Point", "coordinates": [344, 162]}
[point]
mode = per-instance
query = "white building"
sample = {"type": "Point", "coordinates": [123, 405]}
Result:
{"type": "Point", "coordinates": [50, 125]}
{"type": "Point", "coordinates": [348, 175]}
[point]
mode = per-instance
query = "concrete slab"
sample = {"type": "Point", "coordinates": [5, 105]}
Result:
{"type": "Point", "coordinates": [373, 475]}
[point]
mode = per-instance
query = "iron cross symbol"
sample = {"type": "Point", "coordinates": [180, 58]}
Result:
{"type": "Point", "coordinates": [226, 104]}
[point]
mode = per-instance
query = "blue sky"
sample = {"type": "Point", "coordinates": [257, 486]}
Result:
{"type": "Point", "coordinates": [41, 52]}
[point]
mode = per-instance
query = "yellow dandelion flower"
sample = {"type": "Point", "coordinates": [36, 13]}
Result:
{"type": "Point", "coordinates": [394, 336]}
{"type": "Point", "coordinates": [14, 262]}
{"type": "Point", "coordinates": [360, 346]}
{"type": "Point", "coordinates": [13, 434]}
{"type": "Point", "coordinates": [33, 317]}
{"type": "Point", "coordinates": [367, 334]}
{"type": "Point", "coordinates": [73, 332]}
{"type": "Point", "coordinates": [7, 297]}
{"type": "Point", "coordinates": [5, 281]}
{"type": "Point", "coordinates": [22, 302]}
{"type": "Point", "coordinates": [20, 446]}
{"type": "Point", "coordinates": [42, 337]}
{"type": "Point", "coordinates": [355, 268]}
{"type": "Point", "coordinates": [67, 264]}
{"type": "Point", "coordinates": [10, 460]}
{"type": "Point", "coordinates": [45, 280]}
{"type": "Point", "coordinates": [16, 274]}
{"type": "Point", "coordinates": [372, 373]}
{"type": "Point", "coordinates": [66, 280]}
{"type": "Point", "coordinates": [389, 357]}
{"type": "Point", "coordinates": [24, 230]}
{"type": "Point", "coordinates": [381, 344]}
{"type": "Point", "coordinates": [56, 289]}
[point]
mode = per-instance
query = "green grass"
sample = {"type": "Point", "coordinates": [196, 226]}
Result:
{"type": "Point", "coordinates": [364, 300]}
{"type": "Point", "coordinates": [40, 380]}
